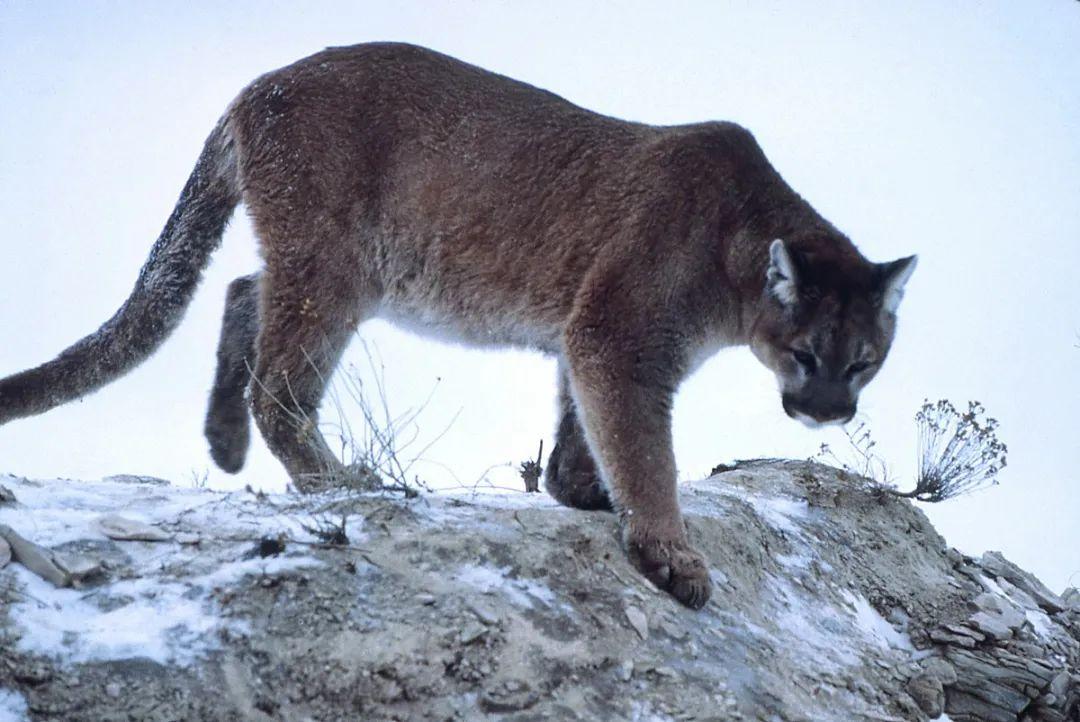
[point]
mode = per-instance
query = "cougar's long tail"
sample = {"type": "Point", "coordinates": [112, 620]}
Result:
{"type": "Point", "coordinates": [156, 305]}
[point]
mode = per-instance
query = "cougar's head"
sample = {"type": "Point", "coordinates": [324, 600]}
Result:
{"type": "Point", "coordinates": [825, 326]}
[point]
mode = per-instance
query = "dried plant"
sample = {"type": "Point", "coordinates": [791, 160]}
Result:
{"type": "Point", "coordinates": [375, 459]}
{"type": "Point", "coordinates": [531, 471]}
{"type": "Point", "coordinates": [328, 531]}
{"type": "Point", "coordinates": [199, 481]}
{"type": "Point", "coordinates": [958, 451]}
{"type": "Point", "coordinates": [859, 457]}
{"type": "Point", "coordinates": [382, 448]}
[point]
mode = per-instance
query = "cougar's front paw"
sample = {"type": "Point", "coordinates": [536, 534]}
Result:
{"type": "Point", "coordinates": [671, 564]}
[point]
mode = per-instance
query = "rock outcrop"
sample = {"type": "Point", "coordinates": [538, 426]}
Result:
{"type": "Point", "coordinates": [832, 601]}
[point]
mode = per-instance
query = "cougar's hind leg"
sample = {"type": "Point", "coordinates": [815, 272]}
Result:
{"type": "Point", "coordinates": [571, 475]}
{"type": "Point", "coordinates": [303, 330]}
{"type": "Point", "coordinates": [227, 426]}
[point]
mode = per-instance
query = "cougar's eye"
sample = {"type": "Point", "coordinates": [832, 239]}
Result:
{"type": "Point", "coordinates": [805, 359]}
{"type": "Point", "coordinates": [855, 369]}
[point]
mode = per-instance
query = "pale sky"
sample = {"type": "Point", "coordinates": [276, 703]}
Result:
{"type": "Point", "coordinates": [951, 130]}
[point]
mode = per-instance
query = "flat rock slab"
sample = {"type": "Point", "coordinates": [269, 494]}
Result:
{"type": "Point", "coordinates": [120, 528]}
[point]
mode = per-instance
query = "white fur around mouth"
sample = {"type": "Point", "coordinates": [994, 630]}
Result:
{"type": "Point", "coordinates": [808, 421]}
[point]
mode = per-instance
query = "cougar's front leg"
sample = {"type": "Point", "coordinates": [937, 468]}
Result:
{"type": "Point", "coordinates": [623, 372]}
{"type": "Point", "coordinates": [228, 419]}
{"type": "Point", "coordinates": [571, 475]}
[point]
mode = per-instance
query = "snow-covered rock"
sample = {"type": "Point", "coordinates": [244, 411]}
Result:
{"type": "Point", "coordinates": [832, 601]}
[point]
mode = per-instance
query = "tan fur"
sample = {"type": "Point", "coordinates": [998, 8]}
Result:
{"type": "Point", "coordinates": [388, 180]}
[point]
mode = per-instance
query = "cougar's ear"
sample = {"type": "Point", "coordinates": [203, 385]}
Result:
{"type": "Point", "coordinates": [893, 277]}
{"type": "Point", "coordinates": [781, 279]}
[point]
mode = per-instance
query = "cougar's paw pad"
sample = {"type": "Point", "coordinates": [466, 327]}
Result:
{"type": "Point", "coordinates": [674, 567]}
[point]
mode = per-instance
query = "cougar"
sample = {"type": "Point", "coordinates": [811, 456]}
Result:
{"type": "Point", "coordinates": [389, 180]}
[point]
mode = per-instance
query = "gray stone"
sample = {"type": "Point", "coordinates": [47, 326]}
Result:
{"type": "Point", "coordinates": [482, 612]}
{"type": "Point", "coordinates": [1028, 649]}
{"type": "Point", "coordinates": [472, 633]}
{"type": "Point", "coordinates": [37, 559]}
{"type": "Point", "coordinates": [1060, 684]}
{"type": "Point", "coordinates": [966, 631]}
{"type": "Point", "coordinates": [1044, 671]}
{"type": "Point", "coordinates": [1018, 595]}
{"type": "Point", "coordinates": [638, 621]}
{"type": "Point", "coordinates": [963, 706]}
{"type": "Point", "coordinates": [672, 629]}
{"type": "Point", "coordinates": [136, 479]}
{"type": "Point", "coordinates": [989, 602]}
{"type": "Point", "coordinates": [998, 565]}
{"type": "Point", "coordinates": [940, 668]}
{"type": "Point", "coordinates": [119, 528]}
{"type": "Point", "coordinates": [509, 696]}
{"type": "Point", "coordinates": [996, 678]}
{"type": "Point", "coordinates": [928, 693]}
{"type": "Point", "coordinates": [1045, 713]}
{"type": "Point", "coordinates": [991, 625]}
{"type": "Point", "coordinates": [943, 637]}
{"type": "Point", "coordinates": [80, 569]}
{"type": "Point", "coordinates": [1001, 608]}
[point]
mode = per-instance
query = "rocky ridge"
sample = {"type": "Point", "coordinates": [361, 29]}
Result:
{"type": "Point", "coordinates": [832, 601]}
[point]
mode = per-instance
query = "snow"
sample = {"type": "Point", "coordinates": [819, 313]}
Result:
{"type": "Point", "coordinates": [458, 505]}
{"type": "Point", "coordinates": [993, 586]}
{"type": "Point", "coordinates": [779, 512]}
{"type": "Point", "coordinates": [65, 623]}
{"type": "Point", "coordinates": [1039, 621]}
{"type": "Point", "coordinates": [801, 621]}
{"type": "Point", "coordinates": [875, 626]}
{"type": "Point", "coordinates": [169, 616]}
{"type": "Point", "coordinates": [12, 706]}
{"type": "Point", "coordinates": [235, 571]}
{"type": "Point", "coordinates": [802, 560]}
{"type": "Point", "coordinates": [161, 615]}
{"type": "Point", "coordinates": [644, 712]}
{"type": "Point", "coordinates": [163, 621]}
{"type": "Point", "coordinates": [825, 635]}
{"type": "Point", "coordinates": [489, 580]}
{"type": "Point", "coordinates": [59, 511]}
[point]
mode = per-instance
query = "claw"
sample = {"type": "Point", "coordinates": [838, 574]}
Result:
{"type": "Point", "coordinates": [674, 567]}
{"type": "Point", "coordinates": [694, 593]}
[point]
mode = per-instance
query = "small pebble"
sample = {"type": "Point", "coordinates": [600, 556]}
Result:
{"type": "Point", "coordinates": [638, 621]}
{"type": "Point", "coordinates": [484, 614]}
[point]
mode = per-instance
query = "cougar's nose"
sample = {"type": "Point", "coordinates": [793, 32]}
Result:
{"type": "Point", "coordinates": [817, 414]}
